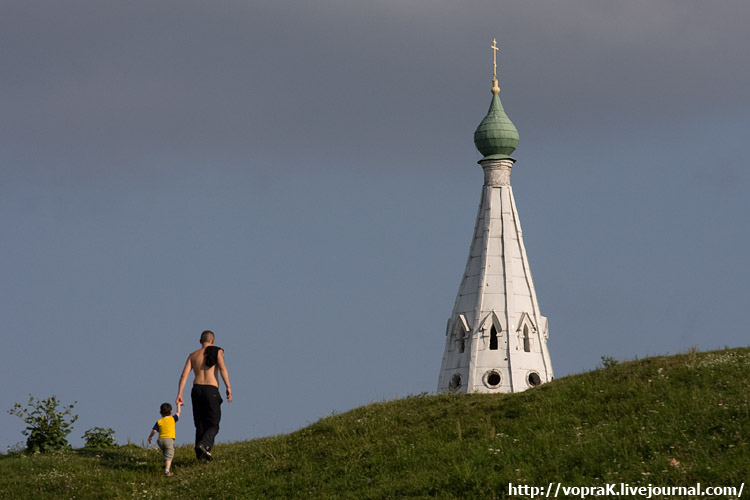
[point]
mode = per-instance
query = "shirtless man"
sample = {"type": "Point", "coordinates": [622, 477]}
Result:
{"type": "Point", "coordinates": [204, 363]}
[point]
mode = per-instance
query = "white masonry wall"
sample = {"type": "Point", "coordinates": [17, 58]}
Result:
{"type": "Point", "coordinates": [496, 338]}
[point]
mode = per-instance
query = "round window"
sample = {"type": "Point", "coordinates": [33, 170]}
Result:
{"type": "Point", "coordinates": [492, 378]}
{"type": "Point", "coordinates": [534, 379]}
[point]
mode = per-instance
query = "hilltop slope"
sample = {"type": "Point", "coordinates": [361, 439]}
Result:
{"type": "Point", "coordinates": [673, 420]}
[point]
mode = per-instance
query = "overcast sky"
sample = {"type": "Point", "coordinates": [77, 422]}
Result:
{"type": "Point", "coordinates": [300, 177]}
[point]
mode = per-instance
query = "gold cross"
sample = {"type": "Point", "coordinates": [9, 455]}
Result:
{"type": "Point", "coordinates": [494, 56]}
{"type": "Point", "coordinates": [495, 88]}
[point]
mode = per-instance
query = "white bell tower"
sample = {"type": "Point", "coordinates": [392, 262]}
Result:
{"type": "Point", "coordinates": [496, 337]}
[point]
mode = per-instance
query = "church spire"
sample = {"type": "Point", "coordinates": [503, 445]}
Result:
{"type": "Point", "coordinates": [496, 336]}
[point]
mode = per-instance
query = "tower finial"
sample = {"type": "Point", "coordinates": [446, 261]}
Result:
{"type": "Point", "coordinates": [495, 87]}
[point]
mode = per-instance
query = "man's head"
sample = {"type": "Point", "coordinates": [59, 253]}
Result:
{"type": "Point", "coordinates": [207, 337]}
{"type": "Point", "coordinates": [165, 409]}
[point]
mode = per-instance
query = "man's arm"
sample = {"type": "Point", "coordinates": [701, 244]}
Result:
{"type": "Point", "coordinates": [224, 374]}
{"type": "Point", "coordinates": [183, 381]}
{"type": "Point", "coordinates": [153, 431]}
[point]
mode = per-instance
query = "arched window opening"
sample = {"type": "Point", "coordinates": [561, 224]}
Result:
{"type": "Point", "coordinates": [455, 382]}
{"type": "Point", "coordinates": [526, 340]}
{"type": "Point", "coordinates": [460, 333]}
{"type": "Point", "coordinates": [493, 338]}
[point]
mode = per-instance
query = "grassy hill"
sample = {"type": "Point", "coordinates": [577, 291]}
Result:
{"type": "Point", "coordinates": [673, 420]}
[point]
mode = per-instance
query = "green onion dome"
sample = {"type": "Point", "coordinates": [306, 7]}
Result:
{"type": "Point", "coordinates": [496, 137]}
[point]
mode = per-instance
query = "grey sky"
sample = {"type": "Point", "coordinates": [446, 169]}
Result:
{"type": "Point", "coordinates": [300, 177]}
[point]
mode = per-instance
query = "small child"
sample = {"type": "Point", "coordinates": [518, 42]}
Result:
{"type": "Point", "coordinates": [165, 427]}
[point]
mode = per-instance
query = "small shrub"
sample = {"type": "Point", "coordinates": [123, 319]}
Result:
{"type": "Point", "coordinates": [47, 425]}
{"type": "Point", "coordinates": [608, 361]}
{"type": "Point", "coordinates": [16, 448]}
{"type": "Point", "coordinates": [98, 437]}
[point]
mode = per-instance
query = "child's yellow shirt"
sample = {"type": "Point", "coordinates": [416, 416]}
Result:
{"type": "Point", "coordinates": [165, 426]}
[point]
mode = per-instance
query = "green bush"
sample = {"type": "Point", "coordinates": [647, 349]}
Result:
{"type": "Point", "coordinates": [98, 437]}
{"type": "Point", "coordinates": [609, 362]}
{"type": "Point", "coordinates": [47, 425]}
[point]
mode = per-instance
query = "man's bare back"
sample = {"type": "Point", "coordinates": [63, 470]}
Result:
{"type": "Point", "coordinates": [204, 375]}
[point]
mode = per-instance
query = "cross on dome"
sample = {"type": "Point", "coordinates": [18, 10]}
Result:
{"type": "Point", "coordinates": [494, 47]}
{"type": "Point", "coordinates": [496, 137]}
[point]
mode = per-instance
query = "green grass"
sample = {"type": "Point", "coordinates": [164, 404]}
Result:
{"type": "Point", "coordinates": [622, 424]}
